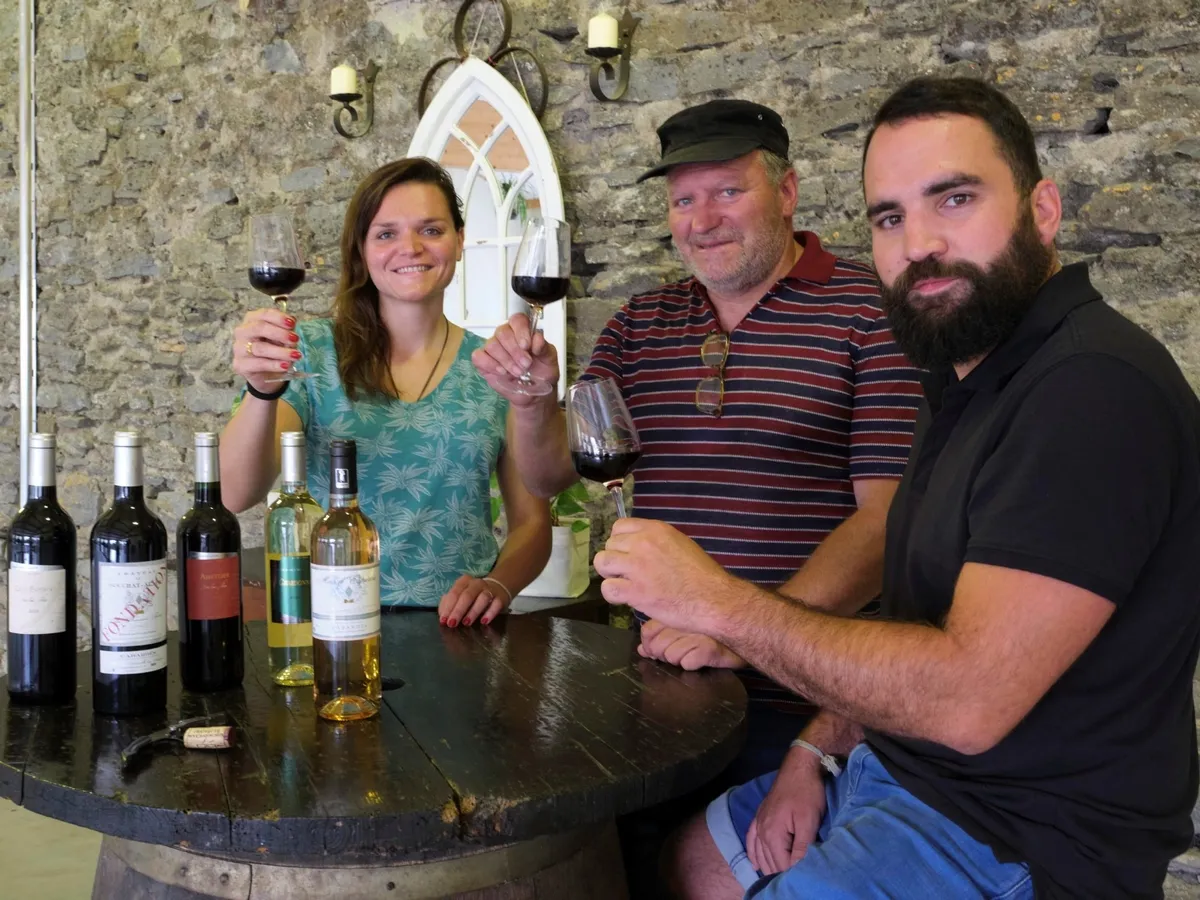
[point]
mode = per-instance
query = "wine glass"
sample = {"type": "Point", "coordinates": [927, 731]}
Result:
{"type": "Point", "coordinates": [276, 268]}
{"type": "Point", "coordinates": [600, 432]}
{"type": "Point", "coordinates": [541, 275]}
{"type": "Point", "coordinates": [604, 447]}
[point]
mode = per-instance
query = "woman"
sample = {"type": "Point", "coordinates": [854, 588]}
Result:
{"type": "Point", "coordinates": [392, 373]}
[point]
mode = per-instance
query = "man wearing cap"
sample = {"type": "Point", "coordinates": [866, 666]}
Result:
{"type": "Point", "coordinates": [1019, 722]}
{"type": "Point", "coordinates": [774, 409]}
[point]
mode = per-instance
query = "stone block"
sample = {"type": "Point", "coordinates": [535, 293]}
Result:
{"type": "Point", "coordinates": [278, 56]}
{"type": "Point", "coordinates": [304, 179]}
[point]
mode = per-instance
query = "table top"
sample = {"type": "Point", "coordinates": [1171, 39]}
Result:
{"type": "Point", "coordinates": [528, 727]}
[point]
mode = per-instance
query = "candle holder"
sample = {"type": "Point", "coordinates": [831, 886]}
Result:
{"type": "Point", "coordinates": [502, 50]}
{"type": "Point", "coordinates": [346, 109]}
{"type": "Point", "coordinates": [627, 25]}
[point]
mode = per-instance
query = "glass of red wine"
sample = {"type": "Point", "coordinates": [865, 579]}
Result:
{"type": "Point", "coordinates": [541, 275]}
{"type": "Point", "coordinates": [276, 268]}
{"type": "Point", "coordinates": [603, 439]}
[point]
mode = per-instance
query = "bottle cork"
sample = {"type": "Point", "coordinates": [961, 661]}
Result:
{"type": "Point", "coordinates": [215, 737]}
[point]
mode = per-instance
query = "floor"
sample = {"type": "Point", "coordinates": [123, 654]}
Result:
{"type": "Point", "coordinates": [44, 858]}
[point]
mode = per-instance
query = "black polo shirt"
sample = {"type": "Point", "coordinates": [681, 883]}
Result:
{"type": "Point", "coordinates": [1071, 451]}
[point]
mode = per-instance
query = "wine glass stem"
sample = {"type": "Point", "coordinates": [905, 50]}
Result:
{"type": "Point", "coordinates": [535, 315]}
{"type": "Point", "coordinates": [281, 303]}
{"type": "Point", "coordinates": [618, 492]}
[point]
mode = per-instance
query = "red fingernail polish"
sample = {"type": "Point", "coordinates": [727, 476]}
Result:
{"type": "Point", "coordinates": [453, 623]}
{"type": "Point", "coordinates": [293, 337]}
{"type": "Point", "coordinates": [291, 323]}
{"type": "Point", "coordinates": [486, 621]}
{"type": "Point", "coordinates": [296, 354]}
{"type": "Point", "coordinates": [466, 621]}
{"type": "Point", "coordinates": [442, 620]}
{"type": "Point", "coordinates": [285, 365]}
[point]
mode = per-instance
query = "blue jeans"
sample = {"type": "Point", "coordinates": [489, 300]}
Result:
{"type": "Point", "coordinates": [876, 842]}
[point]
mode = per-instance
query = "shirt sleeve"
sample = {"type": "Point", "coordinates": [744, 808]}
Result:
{"type": "Point", "coordinates": [609, 353]}
{"type": "Point", "coordinates": [887, 393]}
{"type": "Point", "coordinates": [1079, 486]}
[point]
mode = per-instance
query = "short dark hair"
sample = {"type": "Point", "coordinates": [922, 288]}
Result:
{"type": "Point", "coordinates": [930, 96]}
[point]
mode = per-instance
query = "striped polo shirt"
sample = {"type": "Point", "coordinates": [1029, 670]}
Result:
{"type": "Point", "coordinates": [817, 394]}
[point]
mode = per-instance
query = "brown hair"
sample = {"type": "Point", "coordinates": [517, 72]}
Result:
{"type": "Point", "coordinates": [362, 343]}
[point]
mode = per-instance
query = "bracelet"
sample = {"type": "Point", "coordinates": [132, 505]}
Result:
{"type": "Point", "coordinates": [490, 580]}
{"type": "Point", "coordinates": [829, 762]}
{"type": "Point", "coordinates": [255, 392]}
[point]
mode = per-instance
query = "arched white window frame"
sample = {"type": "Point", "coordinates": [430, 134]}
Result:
{"type": "Point", "coordinates": [475, 80]}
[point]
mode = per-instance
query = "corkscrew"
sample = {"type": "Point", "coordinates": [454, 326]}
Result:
{"type": "Point", "coordinates": [198, 733]}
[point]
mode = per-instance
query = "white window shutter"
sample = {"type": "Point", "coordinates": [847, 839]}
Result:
{"type": "Point", "coordinates": [482, 131]}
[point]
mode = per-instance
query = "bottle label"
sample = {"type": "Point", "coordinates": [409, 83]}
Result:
{"type": "Point", "coordinates": [289, 589]}
{"type": "Point", "coordinates": [37, 599]}
{"type": "Point", "coordinates": [131, 603]}
{"type": "Point", "coordinates": [214, 585]}
{"type": "Point", "coordinates": [345, 602]}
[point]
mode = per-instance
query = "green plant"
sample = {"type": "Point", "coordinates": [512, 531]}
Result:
{"type": "Point", "coordinates": [569, 505]}
{"type": "Point", "coordinates": [520, 209]}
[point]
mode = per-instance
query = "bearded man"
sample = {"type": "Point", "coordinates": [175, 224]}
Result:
{"type": "Point", "coordinates": [1019, 720]}
{"type": "Point", "coordinates": [774, 408]}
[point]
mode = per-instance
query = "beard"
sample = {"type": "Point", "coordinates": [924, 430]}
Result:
{"type": "Point", "coordinates": [760, 255]}
{"type": "Point", "coordinates": [947, 332]}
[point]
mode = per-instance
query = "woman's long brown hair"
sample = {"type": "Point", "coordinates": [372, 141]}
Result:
{"type": "Point", "coordinates": [359, 336]}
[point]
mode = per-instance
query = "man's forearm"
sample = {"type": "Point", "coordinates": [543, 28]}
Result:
{"type": "Point", "coordinates": [832, 733]}
{"type": "Point", "coordinates": [845, 572]}
{"type": "Point", "coordinates": [902, 678]}
{"type": "Point", "coordinates": [540, 450]}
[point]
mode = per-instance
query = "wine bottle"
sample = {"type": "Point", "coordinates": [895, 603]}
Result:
{"type": "Point", "coordinates": [208, 546]}
{"type": "Point", "coordinates": [41, 588]}
{"type": "Point", "coordinates": [129, 594]}
{"type": "Point", "coordinates": [290, 522]}
{"type": "Point", "coordinates": [345, 598]}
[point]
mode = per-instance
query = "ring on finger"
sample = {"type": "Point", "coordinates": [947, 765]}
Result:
{"type": "Point", "coordinates": [249, 348]}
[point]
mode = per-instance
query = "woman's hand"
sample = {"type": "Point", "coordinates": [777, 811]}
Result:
{"type": "Point", "coordinates": [472, 600]}
{"type": "Point", "coordinates": [263, 346]}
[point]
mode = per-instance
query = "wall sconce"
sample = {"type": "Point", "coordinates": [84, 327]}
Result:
{"type": "Point", "coordinates": [608, 38]}
{"type": "Point", "coordinates": [343, 87]}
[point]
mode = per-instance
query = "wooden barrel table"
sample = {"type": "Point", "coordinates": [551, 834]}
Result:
{"type": "Point", "coordinates": [495, 770]}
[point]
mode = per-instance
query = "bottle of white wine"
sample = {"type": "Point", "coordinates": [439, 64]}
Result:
{"type": "Point", "coordinates": [290, 521]}
{"type": "Point", "coordinates": [345, 599]}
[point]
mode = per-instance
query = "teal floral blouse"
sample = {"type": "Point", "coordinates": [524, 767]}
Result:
{"type": "Point", "coordinates": [424, 468]}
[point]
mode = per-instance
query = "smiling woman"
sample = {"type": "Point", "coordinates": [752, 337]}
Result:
{"type": "Point", "coordinates": [391, 373]}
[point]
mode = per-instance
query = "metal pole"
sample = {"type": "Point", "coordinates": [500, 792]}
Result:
{"type": "Point", "coordinates": [26, 236]}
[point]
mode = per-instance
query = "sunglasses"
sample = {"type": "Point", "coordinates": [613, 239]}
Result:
{"type": "Point", "coordinates": [710, 391]}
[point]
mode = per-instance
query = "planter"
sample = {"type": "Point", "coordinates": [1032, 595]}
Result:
{"type": "Point", "coordinates": [566, 573]}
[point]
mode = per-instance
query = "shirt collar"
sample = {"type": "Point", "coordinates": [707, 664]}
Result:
{"type": "Point", "coordinates": [816, 264]}
{"type": "Point", "coordinates": [1065, 291]}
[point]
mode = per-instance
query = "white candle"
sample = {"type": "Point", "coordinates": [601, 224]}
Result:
{"type": "Point", "coordinates": [603, 32]}
{"type": "Point", "coordinates": [343, 80]}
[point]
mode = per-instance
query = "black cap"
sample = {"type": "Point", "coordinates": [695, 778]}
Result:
{"type": "Point", "coordinates": [717, 131]}
{"type": "Point", "coordinates": [343, 464]}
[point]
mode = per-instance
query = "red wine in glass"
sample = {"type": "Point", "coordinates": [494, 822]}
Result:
{"type": "Point", "coordinates": [609, 469]}
{"type": "Point", "coordinates": [275, 281]}
{"type": "Point", "coordinates": [538, 291]}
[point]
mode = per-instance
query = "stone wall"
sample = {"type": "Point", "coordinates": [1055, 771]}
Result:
{"type": "Point", "coordinates": [162, 126]}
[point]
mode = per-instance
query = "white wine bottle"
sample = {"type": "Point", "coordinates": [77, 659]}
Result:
{"type": "Point", "coordinates": [345, 599]}
{"type": "Point", "coordinates": [290, 522]}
